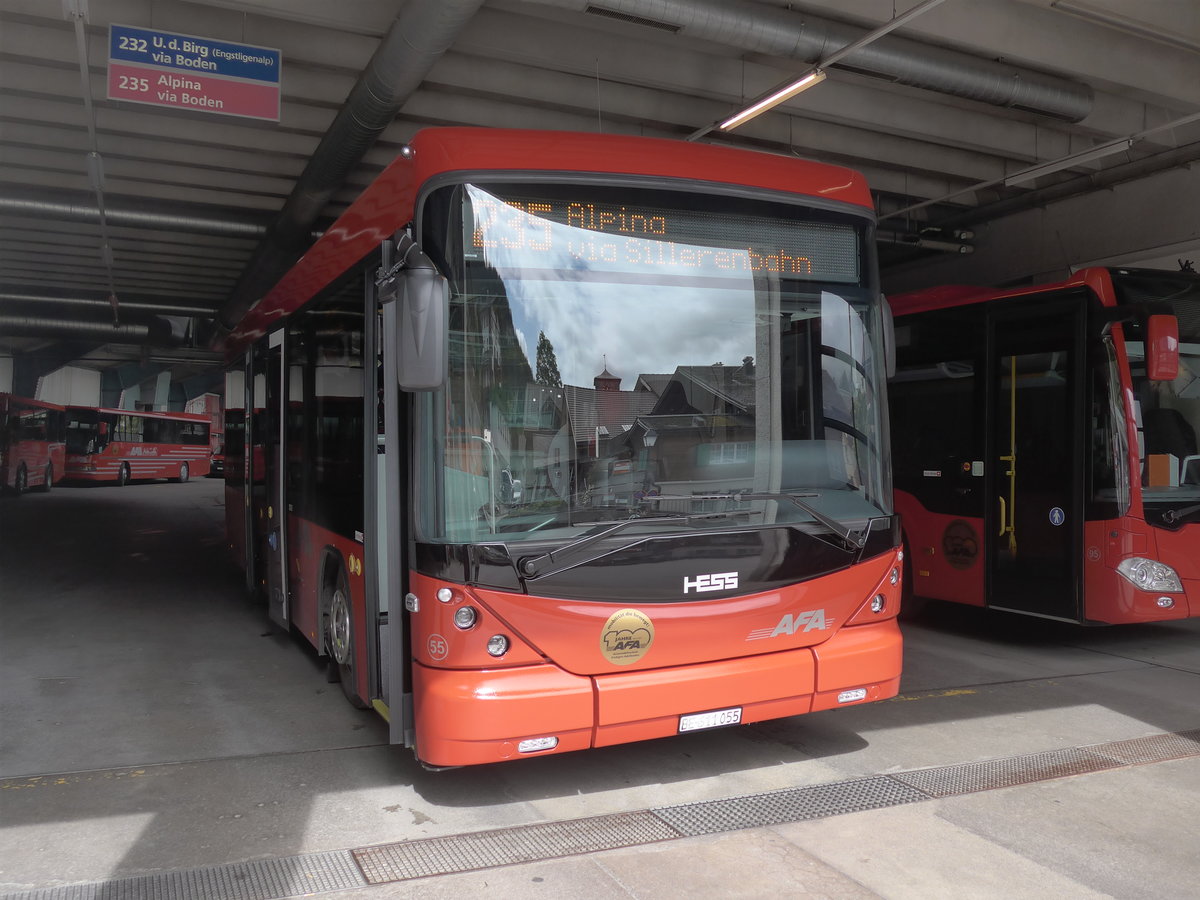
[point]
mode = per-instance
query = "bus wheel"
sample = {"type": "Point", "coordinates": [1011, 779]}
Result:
{"type": "Point", "coordinates": [123, 475]}
{"type": "Point", "coordinates": [339, 642]}
{"type": "Point", "coordinates": [49, 479]}
{"type": "Point", "coordinates": [183, 474]}
{"type": "Point", "coordinates": [21, 482]}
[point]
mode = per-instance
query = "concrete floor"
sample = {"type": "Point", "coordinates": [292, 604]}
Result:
{"type": "Point", "coordinates": [152, 721]}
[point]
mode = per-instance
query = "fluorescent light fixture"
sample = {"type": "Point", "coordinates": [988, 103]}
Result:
{"type": "Point", "coordinates": [1075, 159]}
{"type": "Point", "coordinates": [816, 76]}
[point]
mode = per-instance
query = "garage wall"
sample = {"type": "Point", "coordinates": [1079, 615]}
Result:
{"type": "Point", "coordinates": [1150, 222]}
{"type": "Point", "coordinates": [70, 386]}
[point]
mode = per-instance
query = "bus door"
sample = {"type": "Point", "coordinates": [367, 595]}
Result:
{"type": "Point", "coordinates": [1036, 457]}
{"type": "Point", "coordinates": [275, 471]}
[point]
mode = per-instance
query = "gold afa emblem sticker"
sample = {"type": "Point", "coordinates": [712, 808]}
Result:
{"type": "Point", "coordinates": [626, 637]}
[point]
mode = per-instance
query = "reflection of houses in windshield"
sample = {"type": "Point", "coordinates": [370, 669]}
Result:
{"type": "Point", "coordinates": [672, 432]}
{"type": "Point", "coordinates": [604, 412]}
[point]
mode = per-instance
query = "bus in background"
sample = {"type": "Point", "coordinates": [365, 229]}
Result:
{"type": "Point", "coordinates": [244, 473]}
{"type": "Point", "coordinates": [32, 448]}
{"type": "Point", "coordinates": [509, 550]}
{"type": "Point", "coordinates": [121, 445]}
{"type": "Point", "coordinates": [1045, 445]}
{"type": "Point", "coordinates": [217, 456]}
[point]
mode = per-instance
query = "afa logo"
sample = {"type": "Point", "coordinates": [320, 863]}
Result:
{"type": "Point", "coordinates": [799, 623]}
{"type": "Point", "coordinates": [626, 637]}
{"type": "Point", "coordinates": [960, 545]}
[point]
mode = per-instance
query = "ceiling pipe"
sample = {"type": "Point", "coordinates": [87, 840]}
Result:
{"type": "Point", "coordinates": [156, 332]}
{"type": "Point", "coordinates": [774, 31]}
{"type": "Point", "coordinates": [80, 206]}
{"type": "Point", "coordinates": [421, 33]}
{"type": "Point", "coordinates": [131, 305]}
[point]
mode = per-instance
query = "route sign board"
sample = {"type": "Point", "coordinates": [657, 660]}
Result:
{"type": "Point", "coordinates": [161, 68]}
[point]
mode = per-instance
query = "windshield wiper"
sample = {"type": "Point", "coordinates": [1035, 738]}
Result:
{"type": "Point", "coordinates": [1174, 516]}
{"type": "Point", "coordinates": [854, 540]}
{"type": "Point", "coordinates": [533, 566]}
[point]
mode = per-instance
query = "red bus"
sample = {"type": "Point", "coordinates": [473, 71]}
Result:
{"type": "Point", "coordinates": [217, 456]}
{"type": "Point", "coordinates": [1045, 445]}
{"type": "Point", "coordinates": [121, 445]}
{"type": "Point", "coordinates": [32, 447]}
{"type": "Point", "coordinates": [575, 440]}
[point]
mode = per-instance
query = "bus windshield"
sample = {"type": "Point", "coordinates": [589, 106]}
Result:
{"type": "Point", "coordinates": [620, 353]}
{"type": "Point", "coordinates": [83, 431]}
{"type": "Point", "coordinates": [1169, 410]}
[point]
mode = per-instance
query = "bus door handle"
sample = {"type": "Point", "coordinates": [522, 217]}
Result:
{"type": "Point", "coordinates": [1003, 517]}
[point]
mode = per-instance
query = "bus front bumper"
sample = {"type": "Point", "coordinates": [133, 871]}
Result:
{"type": "Point", "coordinates": [468, 717]}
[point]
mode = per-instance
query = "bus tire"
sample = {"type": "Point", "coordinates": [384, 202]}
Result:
{"type": "Point", "coordinates": [21, 482]}
{"type": "Point", "coordinates": [339, 631]}
{"type": "Point", "coordinates": [183, 474]}
{"type": "Point", "coordinates": [123, 475]}
{"type": "Point", "coordinates": [48, 481]}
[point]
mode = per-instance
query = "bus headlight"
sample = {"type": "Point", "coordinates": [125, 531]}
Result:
{"type": "Point", "coordinates": [1150, 575]}
{"type": "Point", "coordinates": [497, 645]}
{"type": "Point", "coordinates": [464, 617]}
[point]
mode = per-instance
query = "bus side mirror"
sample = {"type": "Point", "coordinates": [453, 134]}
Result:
{"type": "Point", "coordinates": [1162, 347]}
{"type": "Point", "coordinates": [422, 317]}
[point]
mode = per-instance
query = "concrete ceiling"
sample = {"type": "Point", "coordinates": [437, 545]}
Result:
{"type": "Point", "coordinates": [200, 210]}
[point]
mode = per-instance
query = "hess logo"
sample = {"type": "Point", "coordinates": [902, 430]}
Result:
{"type": "Point", "coordinates": [717, 581]}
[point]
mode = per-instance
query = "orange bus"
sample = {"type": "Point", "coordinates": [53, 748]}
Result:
{"type": "Point", "coordinates": [574, 440]}
{"type": "Point", "coordinates": [1045, 445]}
{"type": "Point", "coordinates": [32, 447]}
{"type": "Point", "coordinates": [121, 445]}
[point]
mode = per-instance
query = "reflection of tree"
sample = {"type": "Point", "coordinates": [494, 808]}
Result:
{"type": "Point", "coordinates": [547, 363]}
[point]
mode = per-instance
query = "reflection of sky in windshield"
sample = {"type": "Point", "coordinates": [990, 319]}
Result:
{"type": "Point", "coordinates": [597, 307]}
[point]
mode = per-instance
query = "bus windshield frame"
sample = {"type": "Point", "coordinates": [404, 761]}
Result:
{"type": "Point", "coordinates": [1167, 413]}
{"type": "Point", "coordinates": [625, 352]}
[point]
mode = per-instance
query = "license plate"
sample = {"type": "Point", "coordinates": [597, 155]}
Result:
{"type": "Point", "coordinates": [718, 718]}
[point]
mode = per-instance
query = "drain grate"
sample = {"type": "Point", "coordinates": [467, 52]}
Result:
{"type": "Point", "coordinates": [790, 805]}
{"type": "Point", "coordinates": [506, 846]}
{"type": "Point", "coordinates": [1154, 748]}
{"type": "Point", "coordinates": [947, 781]}
{"type": "Point", "coordinates": [290, 876]}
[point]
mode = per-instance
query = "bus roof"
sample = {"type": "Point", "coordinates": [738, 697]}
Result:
{"type": "Point", "coordinates": [950, 295]}
{"type": "Point", "coordinates": [7, 398]}
{"type": "Point", "coordinates": [387, 205]}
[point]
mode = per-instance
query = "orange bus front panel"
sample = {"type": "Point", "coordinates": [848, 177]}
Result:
{"type": "Point", "coordinates": [466, 717]}
{"type": "Point", "coordinates": [859, 655]}
{"type": "Point", "coordinates": [668, 726]}
{"type": "Point", "coordinates": [596, 674]}
{"type": "Point", "coordinates": [583, 637]}
{"type": "Point", "coordinates": [635, 696]}
{"type": "Point", "coordinates": [859, 665]}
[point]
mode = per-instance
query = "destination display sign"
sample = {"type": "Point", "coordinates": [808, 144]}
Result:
{"type": "Point", "coordinates": [161, 68]}
{"type": "Point", "coordinates": [585, 236]}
